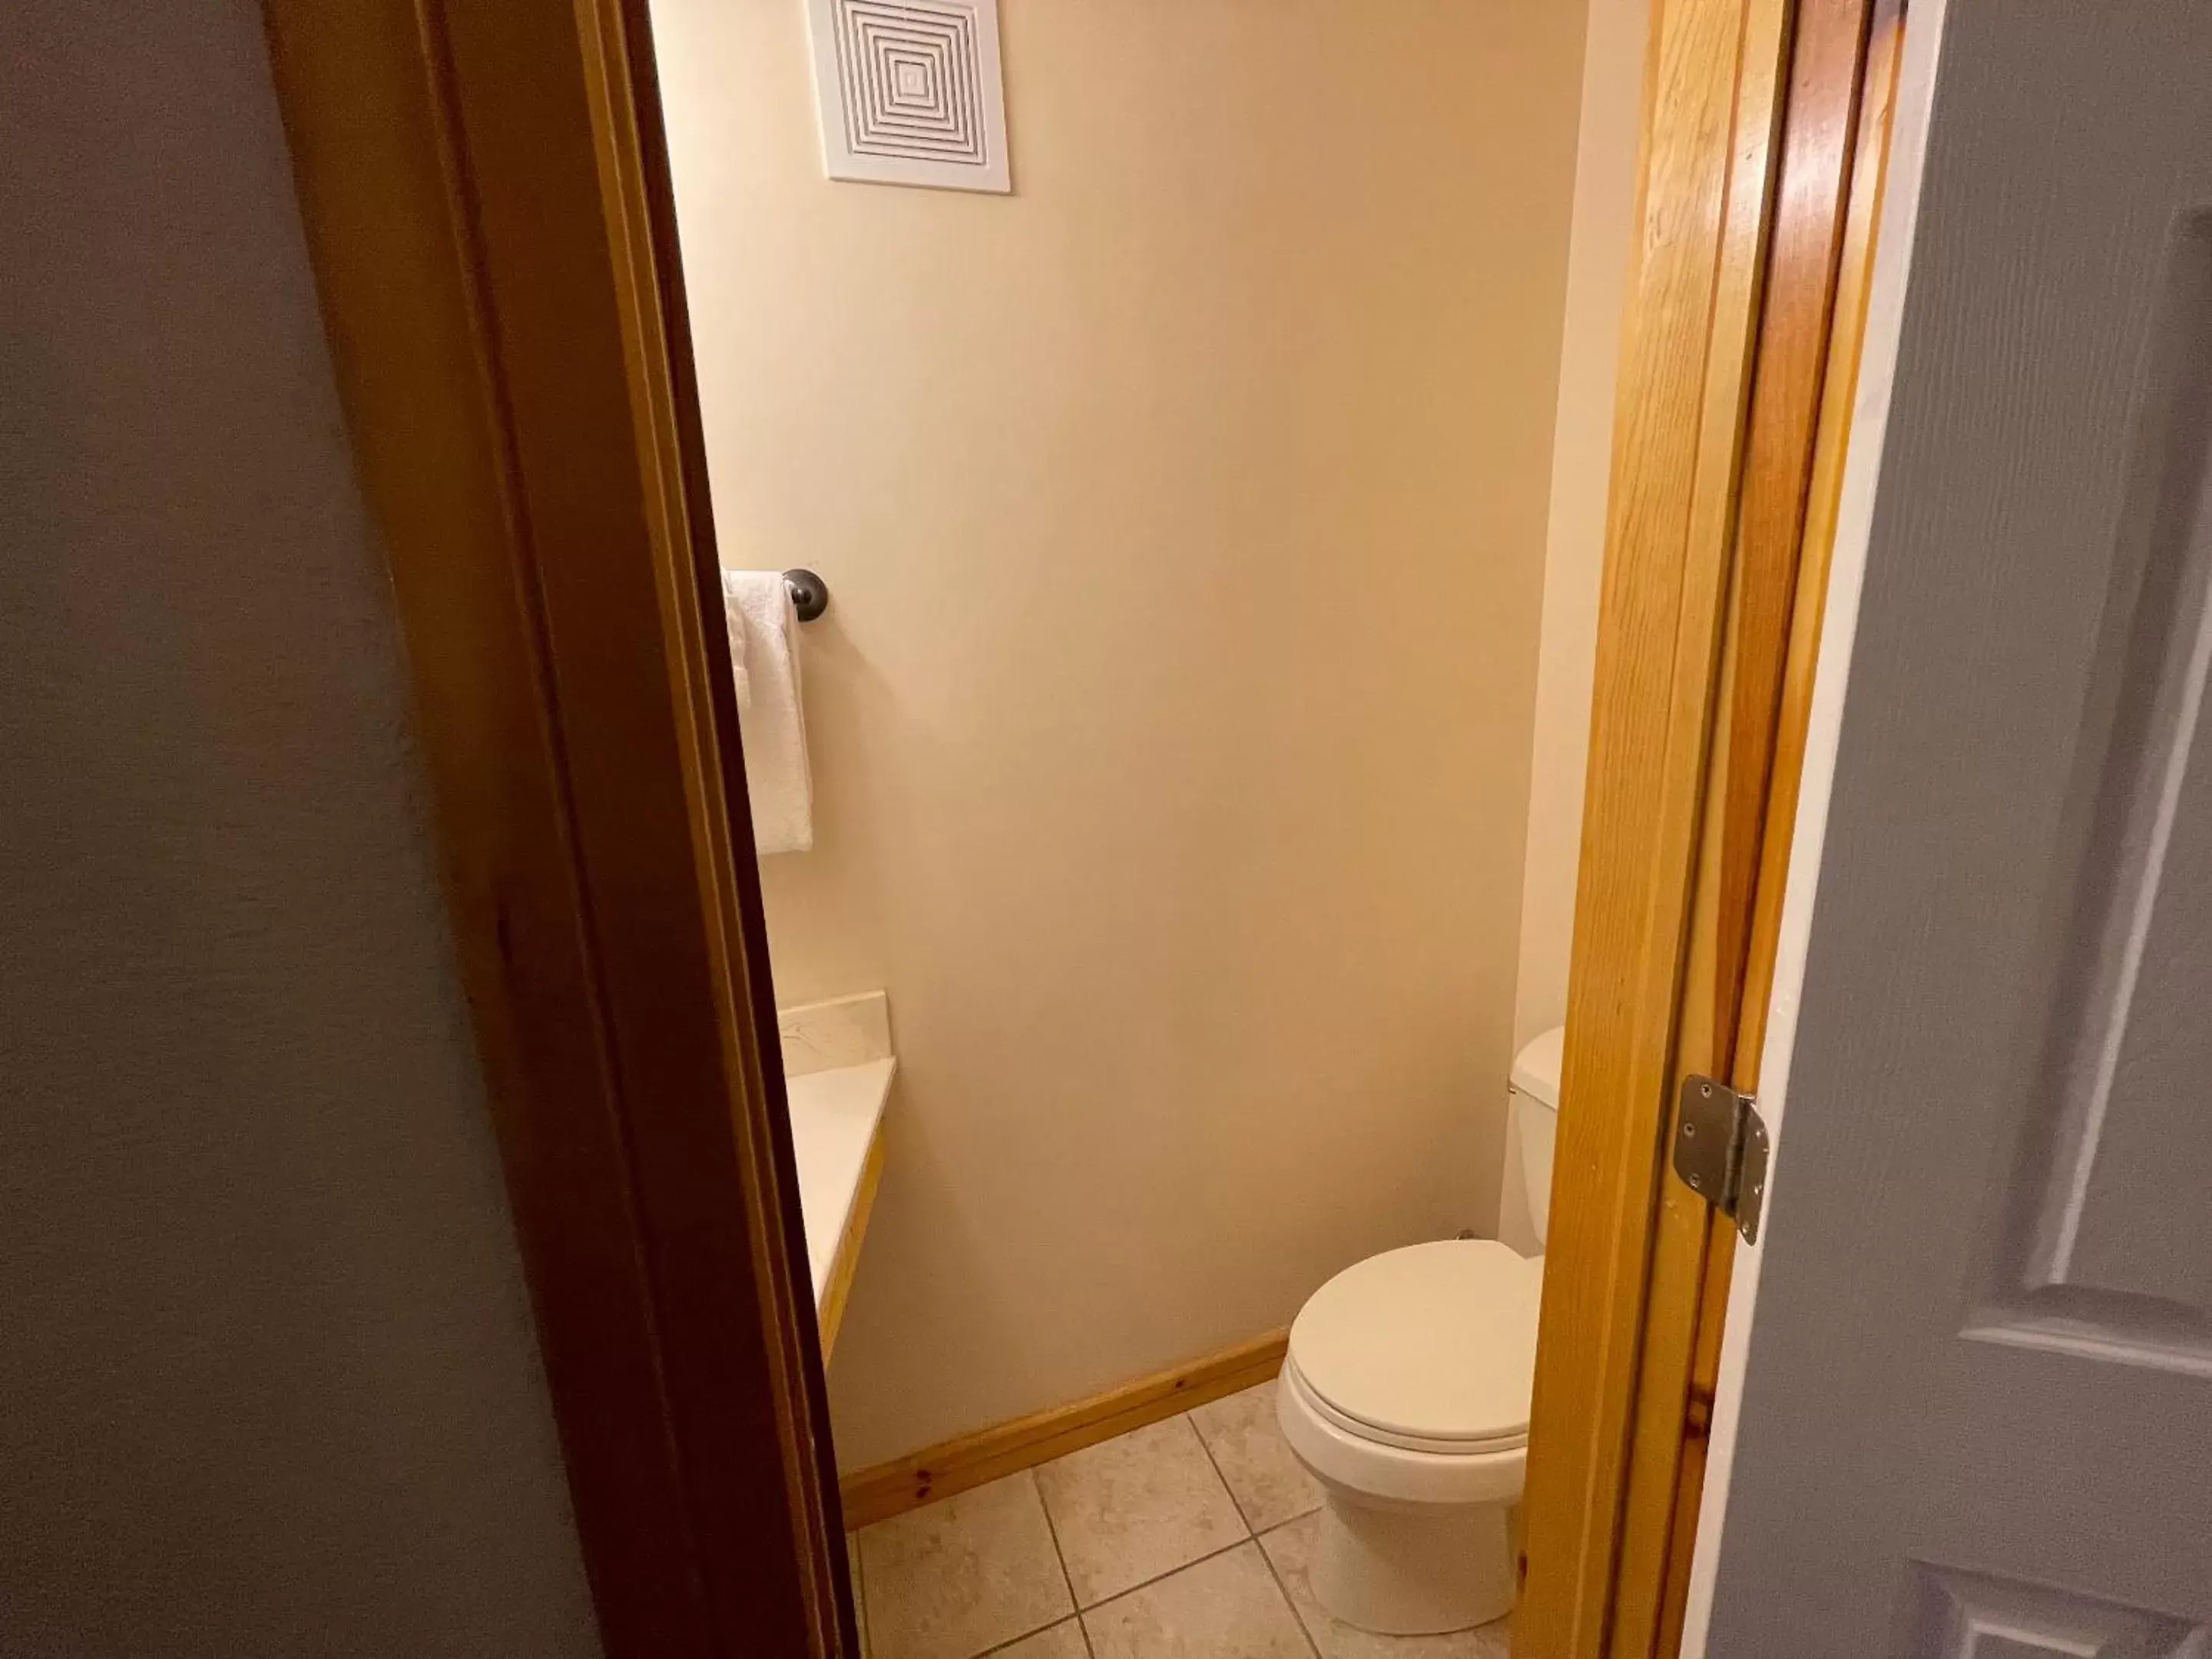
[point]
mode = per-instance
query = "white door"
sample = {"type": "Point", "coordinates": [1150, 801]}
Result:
{"type": "Point", "coordinates": [1968, 1405]}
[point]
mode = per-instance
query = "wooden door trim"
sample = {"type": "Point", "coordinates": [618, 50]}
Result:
{"type": "Point", "coordinates": [488, 213]}
{"type": "Point", "coordinates": [1843, 56]}
{"type": "Point", "coordinates": [1711, 104]}
{"type": "Point", "coordinates": [1680, 889]}
{"type": "Point", "coordinates": [1866, 181]}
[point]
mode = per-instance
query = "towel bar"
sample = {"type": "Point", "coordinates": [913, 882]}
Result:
{"type": "Point", "coordinates": [810, 594]}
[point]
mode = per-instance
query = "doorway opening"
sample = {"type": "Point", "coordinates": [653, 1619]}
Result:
{"type": "Point", "coordinates": [1153, 920]}
{"type": "Point", "coordinates": [1163, 470]}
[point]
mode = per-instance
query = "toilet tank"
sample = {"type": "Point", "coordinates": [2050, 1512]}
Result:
{"type": "Point", "coordinates": [1532, 1121]}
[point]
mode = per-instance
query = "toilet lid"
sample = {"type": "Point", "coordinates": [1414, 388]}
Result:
{"type": "Point", "coordinates": [1434, 1343]}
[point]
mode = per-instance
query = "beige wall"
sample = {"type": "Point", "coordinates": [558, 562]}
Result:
{"type": "Point", "coordinates": [268, 1384]}
{"type": "Point", "coordinates": [1185, 517]}
{"type": "Point", "coordinates": [1574, 557]}
{"type": "Point", "coordinates": [1582, 450]}
{"type": "Point", "coordinates": [1575, 541]}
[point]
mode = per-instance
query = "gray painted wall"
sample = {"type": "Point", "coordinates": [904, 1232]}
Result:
{"type": "Point", "coordinates": [268, 1379]}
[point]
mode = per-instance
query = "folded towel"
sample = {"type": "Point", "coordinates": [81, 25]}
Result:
{"type": "Point", "coordinates": [733, 615]}
{"type": "Point", "coordinates": [771, 717]}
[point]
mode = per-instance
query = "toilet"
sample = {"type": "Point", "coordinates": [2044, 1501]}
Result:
{"type": "Point", "coordinates": [1406, 1395]}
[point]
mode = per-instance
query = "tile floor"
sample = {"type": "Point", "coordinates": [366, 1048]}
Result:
{"type": "Point", "coordinates": [1186, 1540]}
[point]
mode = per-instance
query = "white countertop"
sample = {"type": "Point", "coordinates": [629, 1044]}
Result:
{"type": "Point", "coordinates": [834, 1115]}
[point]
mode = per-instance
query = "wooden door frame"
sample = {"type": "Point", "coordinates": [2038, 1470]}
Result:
{"type": "Point", "coordinates": [1764, 148]}
{"type": "Point", "coordinates": [488, 213]}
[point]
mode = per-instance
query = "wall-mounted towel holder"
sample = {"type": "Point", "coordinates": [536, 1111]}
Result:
{"type": "Point", "coordinates": [810, 594]}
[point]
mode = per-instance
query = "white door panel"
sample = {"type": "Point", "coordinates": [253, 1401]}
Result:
{"type": "Point", "coordinates": [1973, 1398]}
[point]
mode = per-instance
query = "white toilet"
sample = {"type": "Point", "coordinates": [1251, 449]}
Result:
{"type": "Point", "coordinates": [1405, 1393]}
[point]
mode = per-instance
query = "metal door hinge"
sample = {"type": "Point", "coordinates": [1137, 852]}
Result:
{"type": "Point", "coordinates": [1720, 1151]}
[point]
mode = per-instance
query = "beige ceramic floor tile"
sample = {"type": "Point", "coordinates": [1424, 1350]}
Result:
{"type": "Point", "coordinates": [1134, 1507]}
{"type": "Point", "coordinates": [1290, 1548]}
{"type": "Point", "coordinates": [1226, 1608]}
{"type": "Point", "coordinates": [1063, 1641]}
{"type": "Point", "coordinates": [1264, 1475]}
{"type": "Point", "coordinates": [953, 1579]}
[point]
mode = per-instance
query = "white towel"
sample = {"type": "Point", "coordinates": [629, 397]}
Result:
{"type": "Point", "coordinates": [771, 716]}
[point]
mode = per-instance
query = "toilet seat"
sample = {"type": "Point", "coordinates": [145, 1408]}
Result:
{"type": "Point", "coordinates": [1375, 1434]}
{"type": "Point", "coordinates": [1359, 1468]}
{"type": "Point", "coordinates": [1430, 1348]}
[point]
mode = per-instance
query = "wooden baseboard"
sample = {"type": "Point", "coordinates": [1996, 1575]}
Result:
{"type": "Point", "coordinates": [939, 1471]}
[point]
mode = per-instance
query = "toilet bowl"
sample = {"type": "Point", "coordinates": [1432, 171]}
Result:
{"type": "Point", "coordinates": [1406, 1395]}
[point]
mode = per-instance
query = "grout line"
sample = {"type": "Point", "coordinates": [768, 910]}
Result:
{"type": "Point", "coordinates": [1058, 1619]}
{"type": "Point", "coordinates": [1235, 1502]}
{"type": "Point", "coordinates": [1195, 1561]}
{"type": "Point", "coordinates": [1052, 1623]}
{"type": "Point", "coordinates": [1074, 1619]}
{"type": "Point", "coordinates": [1249, 1536]}
{"type": "Point", "coordinates": [1298, 1617]}
{"type": "Point", "coordinates": [1060, 1556]}
{"type": "Point", "coordinates": [1053, 1532]}
{"type": "Point", "coordinates": [1080, 1605]}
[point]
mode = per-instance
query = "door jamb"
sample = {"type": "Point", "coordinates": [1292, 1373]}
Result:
{"type": "Point", "coordinates": [1712, 106]}
{"type": "Point", "coordinates": [1754, 212]}
{"type": "Point", "coordinates": [1842, 507]}
{"type": "Point", "coordinates": [489, 217]}
{"type": "Point", "coordinates": [1812, 528]}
